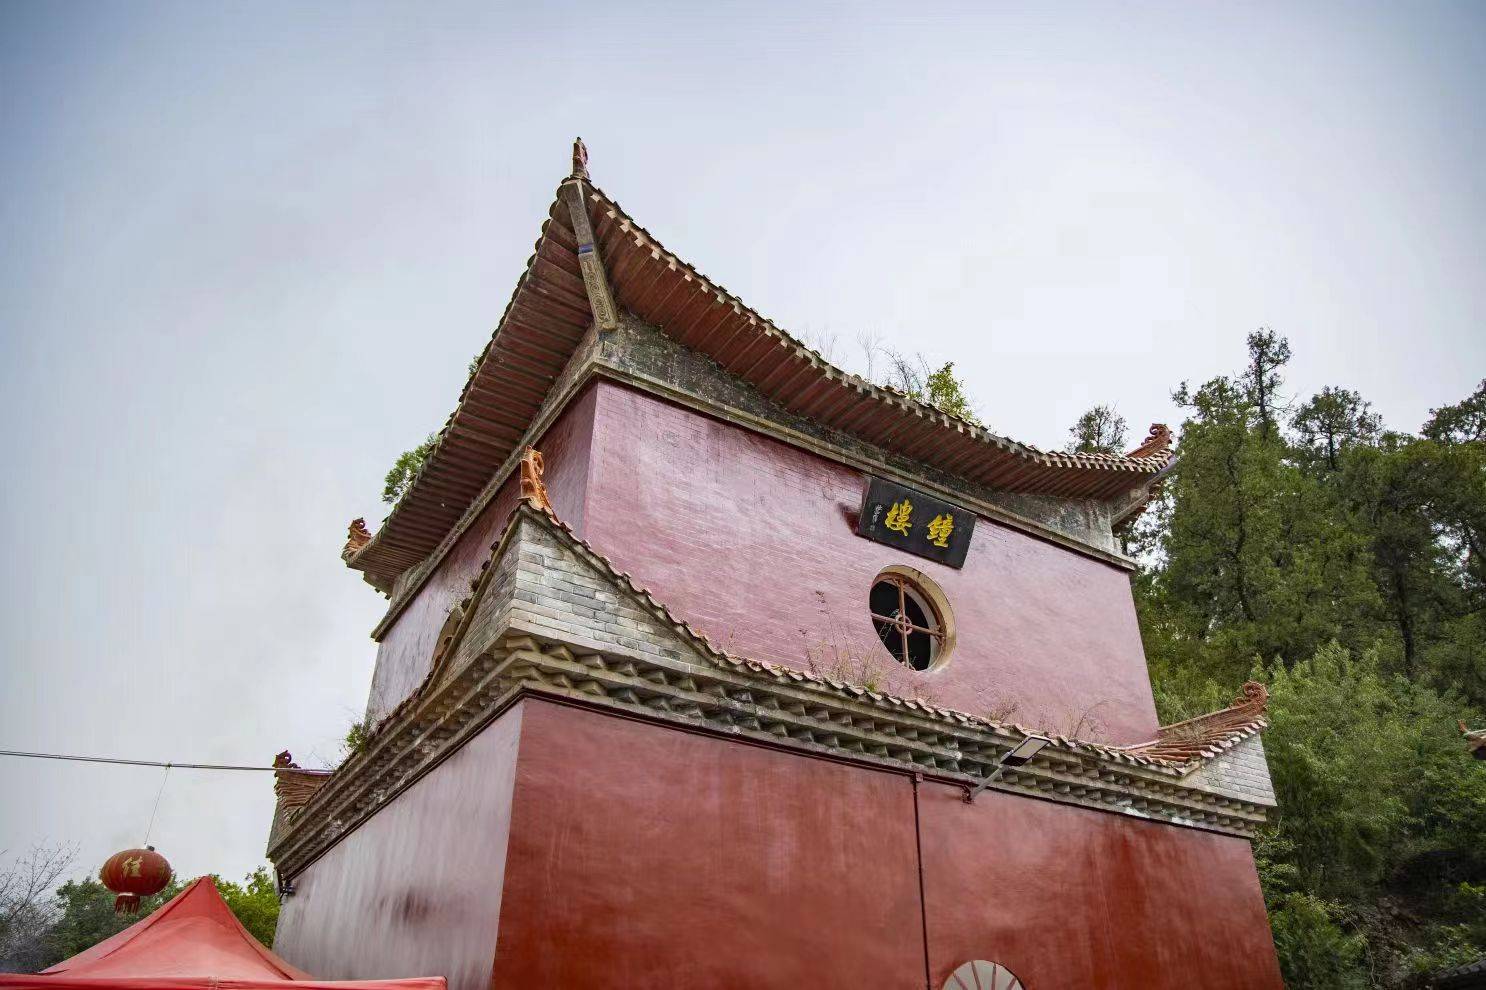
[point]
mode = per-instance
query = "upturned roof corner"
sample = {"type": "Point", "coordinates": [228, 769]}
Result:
{"type": "Point", "coordinates": [1188, 742]}
{"type": "Point", "coordinates": [1157, 443]}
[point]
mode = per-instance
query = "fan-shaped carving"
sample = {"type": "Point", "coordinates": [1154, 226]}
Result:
{"type": "Point", "coordinates": [978, 974]}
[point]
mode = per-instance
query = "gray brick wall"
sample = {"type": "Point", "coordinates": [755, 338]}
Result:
{"type": "Point", "coordinates": [554, 591]}
{"type": "Point", "coordinates": [1241, 771]}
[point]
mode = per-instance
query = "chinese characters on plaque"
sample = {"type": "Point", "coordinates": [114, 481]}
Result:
{"type": "Point", "coordinates": [912, 521]}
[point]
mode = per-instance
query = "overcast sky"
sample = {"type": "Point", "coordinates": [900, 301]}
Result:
{"type": "Point", "coordinates": [247, 250]}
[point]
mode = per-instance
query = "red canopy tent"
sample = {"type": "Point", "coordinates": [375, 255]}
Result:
{"type": "Point", "coordinates": [192, 943]}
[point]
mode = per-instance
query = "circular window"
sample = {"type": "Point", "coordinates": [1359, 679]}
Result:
{"type": "Point", "coordinates": [911, 617]}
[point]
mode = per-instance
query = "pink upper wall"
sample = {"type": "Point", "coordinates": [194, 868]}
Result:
{"type": "Point", "coordinates": [406, 650]}
{"type": "Point", "coordinates": [753, 542]}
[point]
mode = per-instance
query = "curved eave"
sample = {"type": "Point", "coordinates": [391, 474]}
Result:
{"type": "Point", "coordinates": [537, 334]}
{"type": "Point", "coordinates": [665, 291]}
{"type": "Point", "coordinates": [547, 316]}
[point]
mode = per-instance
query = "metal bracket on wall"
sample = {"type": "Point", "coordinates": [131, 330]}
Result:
{"type": "Point", "coordinates": [1019, 755]}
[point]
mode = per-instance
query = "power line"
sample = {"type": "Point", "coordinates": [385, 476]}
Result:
{"type": "Point", "coordinates": [150, 763]}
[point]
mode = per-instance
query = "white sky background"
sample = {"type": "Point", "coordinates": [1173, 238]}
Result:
{"type": "Point", "coordinates": [247, 251]}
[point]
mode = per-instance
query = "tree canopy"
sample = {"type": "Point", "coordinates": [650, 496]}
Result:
{"type": "Point", "coordinates": [1101, 430]}
{"type": "Point", "coordinates": [400, 476]}
{"type": "Point", "coordinates": [1304, 544]}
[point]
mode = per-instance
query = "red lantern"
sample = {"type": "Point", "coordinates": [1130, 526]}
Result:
{"type": "Point", "coordinates": [132, 874]}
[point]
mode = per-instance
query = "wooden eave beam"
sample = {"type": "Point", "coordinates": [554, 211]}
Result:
{"type": "Point", "coordinates": [600, 298]}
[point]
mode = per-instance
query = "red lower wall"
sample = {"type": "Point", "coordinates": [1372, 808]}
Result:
{"type": "Point", "coordinates": [567, 847]}
{"type": "Point", "coordinates": [416, 890]}
{"type": "Point", "coordinates": [648, 857]}
{"type": "Point", "coordinates": [644, 856]}
{"type": "Point", "coordinates": [1067, 897]}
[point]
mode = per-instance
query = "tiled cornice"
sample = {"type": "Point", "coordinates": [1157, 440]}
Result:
{"type": "Point", "coordinates": [735, 703]}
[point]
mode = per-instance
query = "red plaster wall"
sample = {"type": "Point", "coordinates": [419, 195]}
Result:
{"type": "Point", "coordinates": [416, 890]}
{"type": "Point", "coordinates": [407, 648]}
{"type": "Point", "coordinates": [1067, 897]}
{"type": "Point", "coordinates": [753, 542]}
{"type": "Point", "coordinates": [643, 856]}
{"type": "Point", "coordinates": [565, 847]}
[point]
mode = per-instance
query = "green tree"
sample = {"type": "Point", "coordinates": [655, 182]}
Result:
{"type": "Point", "coordinates": [255, 902]}
{"type": "Point", "coordinates": [916, 378]}
{"type": "Point", "coordinates": [1101, 430]}
{"type": "Point", "coordinates": [1253, 561]}
{"type": "Point", "coordinates": [400, 478]}
{"type": "Point", "coordinates": [1453, 453]}
{"type": "Point", "coordinates": [1268, 355]}
{"type": "Point", "coordinates": [1343, 563]}
{"type": "Point", "coordinates": [86, 917]}
{"type": "Point", "coordinates": [85, 912]}
{"type": "Point", "coordinates": [1420, 503]}
{"type": "Point", "coordinates": [1464, 422]}
{"type": "Point", "coordinates": [1457, 434]}
{"type": "Point", "coordinates": [1315, 951]}
{"type": "Point", "coordinates": [1387, 490]}
{"type": "Point", "coordinates": [947, 392]}
{"type": "Point", "coordinates": [1378, 804]}
{"type": "Point", "coordinates": [1333, 420]}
